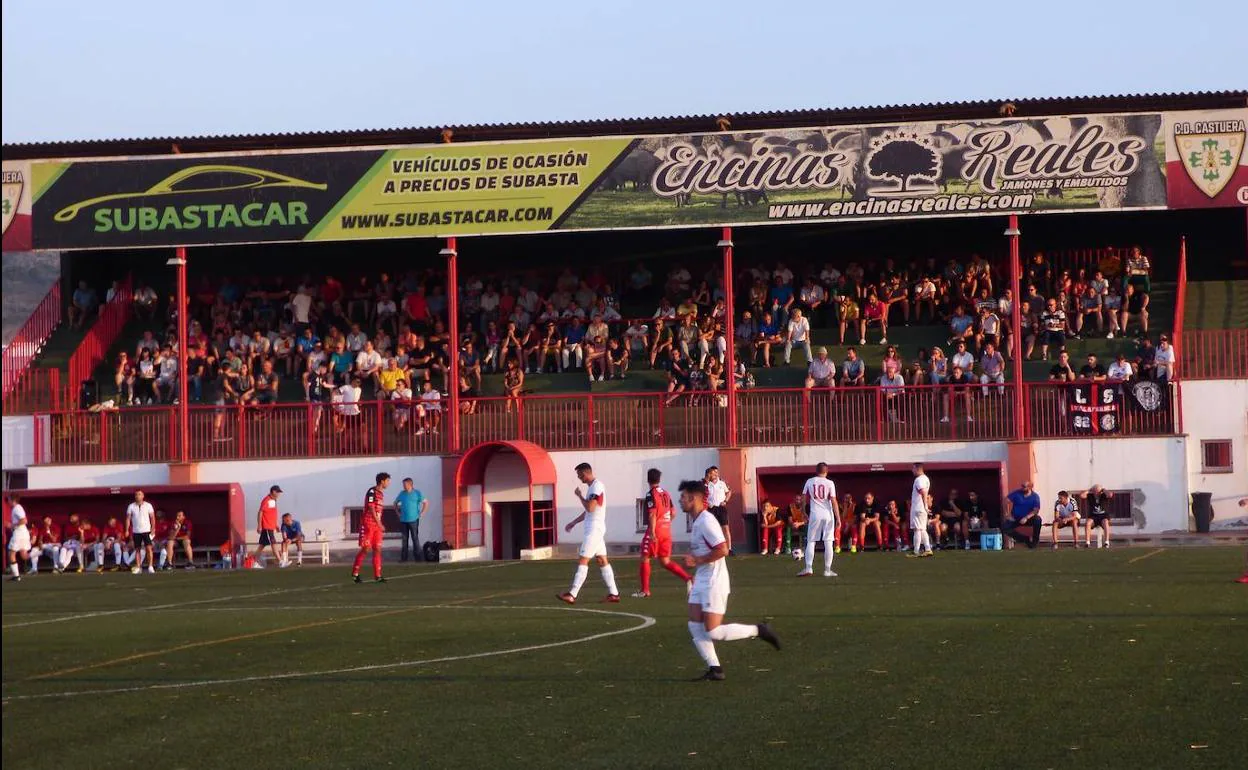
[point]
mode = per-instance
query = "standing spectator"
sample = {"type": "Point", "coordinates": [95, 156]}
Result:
{"type": "Point", "coordinates": [410, 504]}
{"type": "Point", "coordinates": [300, 306]}
{"type": "Point", "coordinates": [1022, 515]}
{"type": "Point", "coordinates": [1065, 514]}
{"type": "Point", "coordinates": [798, 334]}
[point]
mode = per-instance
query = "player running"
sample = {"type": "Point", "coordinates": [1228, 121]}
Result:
{"type": "Point", "coordinates": [708, 601]}
{"type": "Point", "coordinates": [372, 530]}
{"type": "Point", "coordinates": [819, 495]}
{"type": "Point", "coordinates": [594, 546]}
{"type": "Point", "coordinates": [920, 509]}
{"type": "Point", "coordinates": [19, 539]}
{"type": "Point", "coordinates": [658, 538]}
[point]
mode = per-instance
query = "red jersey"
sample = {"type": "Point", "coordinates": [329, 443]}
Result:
{"type": "Point", "coordinates": [268, 512]}
{"type": "Point", "coordinates": [180, 530]}
{"type": "Point", "coordinates": [112, 532]}
{"type": "Point", "coordinates": [49, 533]}
{"type": "Point", "coordinates": [162, 530]}
{"type": "Point", "coordinates": [374, 499]}
{"type": "Point", "coordinates": [89, 533]}
{"type": "Point", "coordinates": [659, 505]}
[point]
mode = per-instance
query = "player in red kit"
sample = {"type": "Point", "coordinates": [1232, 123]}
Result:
{"type": "Point", "coordinates": [371, 529]}
{"type": "Point", "coordinates": [658, 537]}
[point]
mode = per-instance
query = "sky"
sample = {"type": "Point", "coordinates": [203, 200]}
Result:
{"type": "Point", "coordinates": [139, 68]}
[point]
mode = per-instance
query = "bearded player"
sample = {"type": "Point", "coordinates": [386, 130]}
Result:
{"type": "Point", "coordinates": [594, 545]}
{"type": "Point", "coordinates": [371, 529]}
{"type": "Point", "coordinates": [708, 601]}
{"type": "Point", "coordinates": [658, 538]}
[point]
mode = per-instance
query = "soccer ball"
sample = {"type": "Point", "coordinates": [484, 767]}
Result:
{"type": "Point", "coordinates": [798, 555]}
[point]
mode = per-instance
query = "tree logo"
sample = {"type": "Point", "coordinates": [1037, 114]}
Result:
{"type": "Point", "coordinates": [903, 157]}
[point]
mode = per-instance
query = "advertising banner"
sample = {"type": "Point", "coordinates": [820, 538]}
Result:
{"type": "Point", "coordinates": [1206, 165]}
{"type": "Point", "coordinates": [16, 206]}
{"type": "Point", "coordinates": [846, 173]}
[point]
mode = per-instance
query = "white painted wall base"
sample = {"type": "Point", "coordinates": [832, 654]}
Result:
{"type": "Point", "coordinates": [457, 555]}
{"type": "Point", "coordinates": [537, 554]}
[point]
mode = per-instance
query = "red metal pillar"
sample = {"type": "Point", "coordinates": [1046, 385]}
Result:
{"type": "Point", "coordinates": [452, 326]}
{"type": "Point", "coordinates": [730, 354]}
{"type": "Point", "coordinates": [1180, 313]}
{"type": "Point", "coordinates": [1016, 326]}
{"type": "Point", "coordinates": [184, 422]}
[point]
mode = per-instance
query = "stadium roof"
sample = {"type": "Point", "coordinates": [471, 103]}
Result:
{"type": "Point", "coordinates": [748, 121]}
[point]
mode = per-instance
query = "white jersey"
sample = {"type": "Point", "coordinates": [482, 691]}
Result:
{"type": "Point", "coordinates": [1066, 509]}
{"type": "Point", "coordinates": [918, 496]}
{"type": "Point", "coordinates": [139, 515]}
{"type": "Point", "coordinates": [716, 493]}
{"type": "Point", "coordinates": [17, 517]}
{"type": "Point", "coordinates": [705, 536]}
{"type": "Point", "coordinates": [596, 520]}
{"type": "Point", "coordinates": [822, 493]}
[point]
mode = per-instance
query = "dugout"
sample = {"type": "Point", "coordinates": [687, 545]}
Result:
{"type": "Point", "coordinates": [216, 511]}
{"type": "Point", "coordinates": [503, 500]}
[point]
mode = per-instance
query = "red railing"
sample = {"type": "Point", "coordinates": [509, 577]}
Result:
{"type": "Point", "coordinates": [30, 338]}
{"type": "Point", "coordinates": [37, 390]}
{"type": "Point", "coordinates": [910, 414]}
{"type": "Point", "coordinates": [1214, 354]}
{"type": "Point", "coordinates": [1049, 415]}
{"type": "Point", "coordinates": [100, 337]}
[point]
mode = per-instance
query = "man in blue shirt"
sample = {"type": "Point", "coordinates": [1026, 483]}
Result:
{"type": "Point", "coordinates": [1022, 514]}
{"type": "Point", "coordinates": [292, 532]}
{"type": "Point", "coordinates": [410, 504]}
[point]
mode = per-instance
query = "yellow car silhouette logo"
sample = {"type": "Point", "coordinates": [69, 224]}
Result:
{"type": "Point", "coordinates": [199, 179]}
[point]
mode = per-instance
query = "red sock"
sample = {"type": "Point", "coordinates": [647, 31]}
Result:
{"type": "Point", "coordinates": [359, 559]}
{"type": "Point", "coordinates": [376, 564]}
{"type": "Point", "coordinates": [677, 570]}
{"type": "Point", "coordinates": [645, 576]}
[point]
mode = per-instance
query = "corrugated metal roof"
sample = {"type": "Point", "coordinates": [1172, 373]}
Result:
{"type": "Point", "coordinates": [740, 121]}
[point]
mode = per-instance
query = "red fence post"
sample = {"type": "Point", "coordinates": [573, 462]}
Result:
{"type": "Point", "coordinates": [1016, 320]}
{"type": "Point", "coordinates": [730, 353]}
{"type": "Point", "coordinates": [589, 413]}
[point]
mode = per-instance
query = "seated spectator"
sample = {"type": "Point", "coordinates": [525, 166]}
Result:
{"type": "Point", "coordinates": [469, 394]}
{"type": "Point", "coordinates": [470, 362]}
{"type": "Point", "coordinates": [1062, 370]}
{"type": "Point", "coordinates": [951, 518]}
{"type": "Point", "coordinates": [782, 300]}
{"type": "Point", "coordinates": [179, 534]}
{"type": "Point", "coordinates": [938, 368]}
{"type": "Point", "coordinates": [771, 525]}
{"type": "Point", "coordinates": [992, 366]}
{"type": "Point", "coordinates": [1096, 500]}
{"type": "Point", "coordinates": [636, 338]}
{"type": "Point", "coordinates": [1146, 359]}
{"type": "Point", "coordinates": [617, 359]}
{"type": "Point", "coordinates": [391, 377]}
{"type": "Point", "coordinates": [145, 303]}
{"type": "Point", "coordinates": [573, 348]}
{"type": "Point", "coordinates": [1022, 516]}
{"type": "Point", "coordinates": [687, 335]}
{"type": "Point", "coordinates": [244, 385]}
{"type": "Point", "coordinates": [961, 326]}
{"type": "Point", "coordinates": [1111, 305]}
{"type": "Point", "coordinates": [266, 385]}
{"type": "Point", "coordinates": [492, 339]}
{"type": "Point", "coordinates": [401, 398]}
{"type": "Point", "coordinates": [798, 333]}
{"type": "Point", "coordinates": [1092, 370]}
{"type": "Point", "coordinates": [1139, 280]}
{"type": "Point", "coordinates": [665, 311]}
{"type": "Point", "coordinates": [812, 298]}
{"type": "Point", "coordinates": [1164, 361]}
{"type": "Point", "coordinates": [821, 372]}
{"type": "Point", "coordinates": [853, 370]}
{"type": "Point", "coordinates": [874, 313]}
{"type": "Point", "coordinates": [1089, 305]}
{"type": "Point", "coordinates": [924, 296]}
{"type": "Point", "coordinates": [283, 352]}
{"type": "Point", "coordinates": [892, 386]}
{"type": "Point", "coordinates": [960, 381]}
{"type": "Point", "coordinates": [123, 378]}
{"type": "Point", "coordinates": [595, 358]}
{"type": "Point", "coordinates": [145, 379]}
{"type": "Point", "coordinates": [430, 409]}
{"type": "Point", "coordinates": [1065, 514]}
{"type": "Point", "coordinates": [292, 534]}
{"type": "Point", "coordinates": [83, 305]}
{"type": "Point", "coordinates": [989, 328]}
{"type": "Point", "coordinates": [1120, 370]}
{"type": "Point", "coordinates": [1053, 328]}
{"type": "Point", "coordinates": [768, 334]}
{"type": "Point", "coordinates": [678, 375]}
{"type": "Point", "coordinates": [919, 367]}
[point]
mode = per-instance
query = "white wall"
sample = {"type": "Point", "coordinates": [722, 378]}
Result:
{"type": "Point", "coordinates": [623, 472]}
{"type": "Point", "coordinates": [1218, 409]}
{"type": "Point", "coordinates": [1156, 467]}
{"type": "Point", "coordinates": [316, 491]}
{"type": "Point", "coordinates": [19, 442]}
{"type": "Point", "coordinates": [857, 454]}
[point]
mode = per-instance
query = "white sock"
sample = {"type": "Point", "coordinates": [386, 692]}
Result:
{"type": "Point", "coordinates": [14, 568]}
{"type": "Point", "coordinates": [608, 577]}
{"type": "Point", "coordinates": [927, 540]}
{"type": "Point", "coordinates": [164, 558]}
{"type": "Point", "coordinates": [732, 632]}
{"type": "Point", "coordinates": [828, 553]}
{"type": "Point", "coordinates": [810, 554]}
{"type": "Point", "coordinates": [703, 644]}
{"type": "Point", "coordinates": [578, 580]}
{"type": "Point", "coordinates": [116, 554]}
{"type": "Point", "coordinates": [99, 554]}
{"type": "Point", "coordinates": [917, 537]}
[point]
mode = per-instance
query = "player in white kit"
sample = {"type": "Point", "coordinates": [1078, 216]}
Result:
{"type": "Point", "coordinates": [920, 509]}
{"type": "Point", "coordinates": [820, 497]}
{"type": "Point", "coordinates": [708, 601]}
{"type": "Point", "coordinates": [19, 540]}
{"type": "Point", "coordinates": [594, 546]}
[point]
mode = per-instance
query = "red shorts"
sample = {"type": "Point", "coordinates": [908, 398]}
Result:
{"type": "Point", "coordinates": [371, 538]}
{"type": "Point", "coordinates": [659, 547]}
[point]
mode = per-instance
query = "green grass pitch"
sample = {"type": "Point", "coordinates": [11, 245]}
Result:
{"type": "Point", "coordinates": [1123, 658]}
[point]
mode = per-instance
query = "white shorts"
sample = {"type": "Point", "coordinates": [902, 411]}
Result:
{"type": "Point", "coordinates": [821, 529]}
{"type": "Point", "coordinates": [594, 544]}
{"type": "Point", "coordinates": [711, 594]}
{"type": "Point", "coordinates": [20, 540]}
{"type": "Point", "coordinates": [919, 522]}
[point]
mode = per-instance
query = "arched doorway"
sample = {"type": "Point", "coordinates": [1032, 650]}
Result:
{"type": "Point", "coordinates": [504, 500]}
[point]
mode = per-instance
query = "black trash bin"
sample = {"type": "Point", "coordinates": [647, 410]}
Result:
{"type": "Point", "coordinates": [751, 532]}
{"type": "Point", "coordinates": [1202, 510]}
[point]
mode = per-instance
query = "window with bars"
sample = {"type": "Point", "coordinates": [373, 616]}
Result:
{"type": "Point", "coordinates": [1215, 456]}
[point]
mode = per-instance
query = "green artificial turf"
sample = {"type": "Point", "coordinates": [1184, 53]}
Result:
{"type": "Point", "coordinates": [1123, 658]}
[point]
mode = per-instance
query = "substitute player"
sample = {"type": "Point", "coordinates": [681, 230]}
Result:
{"type": "Point", "coordinates": [111, 537]}
{"type": "Point", "coordinates": [372, 530]}
{"type": "Point", "coordinates": [819, 494]}
{"type": "Point", "coordinates": [266, 527]}
{"type": "Point", "coordinates": [19, 539]}
{"type": "Point", "coordinates": [920, 510]}
{"type": "Point", "coordinates": [708, 602]}
{"type": "Point", "coordinates": [594, 546]}
{"type": "Point", "coordinates": [658, 538]}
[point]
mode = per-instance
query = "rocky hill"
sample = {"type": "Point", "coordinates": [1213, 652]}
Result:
{"type": "Point", "coordinates": [26, 278]}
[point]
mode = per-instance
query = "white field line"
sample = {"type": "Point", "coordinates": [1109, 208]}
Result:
{"type": "Point", "coordinates": [646, 622]}
{"type": "Point", "coordinates": [218, 599]}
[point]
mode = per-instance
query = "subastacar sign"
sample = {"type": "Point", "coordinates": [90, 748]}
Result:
{"type": "Point", "coordinates": [1056, 164]}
